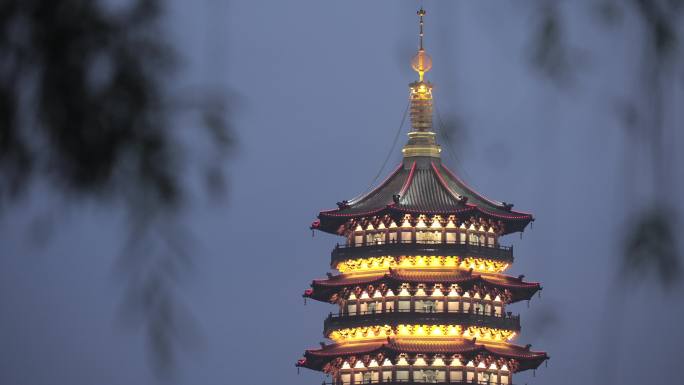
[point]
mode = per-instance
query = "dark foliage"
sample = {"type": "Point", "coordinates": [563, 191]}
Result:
{"type": "Point", "coordinates": [651, 248]}
{"type": "Point", "coordinates": [85, 111]}
{"type": "Point", "coordinates": [650, 244]}
{"type": "Point", "coordinates": [550, 53]}
{"type": "Point", "coordinates": [81, 99]}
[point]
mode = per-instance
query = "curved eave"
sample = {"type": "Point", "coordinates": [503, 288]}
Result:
{"type": "Point", "coordinates": [323, 289]}
{"type": "Point", "coordinates": [431, 189]}
{"type": "Point", "coordinates": [332, 222]}
{"type": "Point", "coordinates": [317, 359]}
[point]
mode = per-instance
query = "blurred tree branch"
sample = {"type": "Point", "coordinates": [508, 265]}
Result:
{"type": "Point", "coordinates": [550, 53]}
{"type": "Point", "coordinates": [649, 243]}
{"type": "Point", "coordinates": [650, 249]}
{"type": "Point", "coordinates": [84, 108]}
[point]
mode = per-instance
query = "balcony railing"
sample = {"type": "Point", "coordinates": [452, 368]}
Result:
{"type": "Point", "coordinates": [394, 311]}
{"type": "Point", "coordinates": [399, 247]}
{"type": "Point", "coordinates": [412, 382]}
{"type": "Point", "coordinates": [505, 321]}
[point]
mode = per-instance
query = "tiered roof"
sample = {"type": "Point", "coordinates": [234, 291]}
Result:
{"type": "Point", "coordinates": [323, 289]}
{"type": "Point", "coordinates": [317, 358]}
{"type": "Point", "coordinates": [423, 185]}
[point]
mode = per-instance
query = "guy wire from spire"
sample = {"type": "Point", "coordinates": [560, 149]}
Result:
{"type": "Point", "coordinates": [389, 154]}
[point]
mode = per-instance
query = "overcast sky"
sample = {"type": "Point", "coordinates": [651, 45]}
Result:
{"type": "Point", "coordinates": [322, 87]}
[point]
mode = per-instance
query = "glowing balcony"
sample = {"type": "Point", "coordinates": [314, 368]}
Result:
{"type": "Point", "coordinates": [393, 319]}
{"type": "Point", "coordinates": [497, 253]}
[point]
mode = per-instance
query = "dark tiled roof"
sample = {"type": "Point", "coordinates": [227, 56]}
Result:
{"type": "Point", "coordinates": [379, 196]}
{"type": "Point", "coordinates": [347, 349]}
{"type": "Point", "coordinates": [317, 358]}
{"type": "Point", "coordinates": [322, 289]}
{"type": "Point", "coordinates": [426, 194]}
{"type": "Point", "coordinates": [423, 186]}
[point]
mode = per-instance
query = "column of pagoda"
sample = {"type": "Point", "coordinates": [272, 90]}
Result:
{"type": "Point", "coordinates": [420, 294]}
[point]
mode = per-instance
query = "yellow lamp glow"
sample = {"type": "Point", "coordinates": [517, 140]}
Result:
{"type": "Point", "coordinates": [423, 331]}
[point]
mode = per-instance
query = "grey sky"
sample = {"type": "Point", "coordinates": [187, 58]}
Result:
{"type": "Point", "coordinates": [322, 87]}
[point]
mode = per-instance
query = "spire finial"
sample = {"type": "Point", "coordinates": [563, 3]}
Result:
{"type": "Point", "coordinates": [421, 13]}
{"type": "Point", "coordinates": [422, 62]}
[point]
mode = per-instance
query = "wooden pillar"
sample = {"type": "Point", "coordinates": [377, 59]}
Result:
{"type": "Point", "coordinates": [412, 306]}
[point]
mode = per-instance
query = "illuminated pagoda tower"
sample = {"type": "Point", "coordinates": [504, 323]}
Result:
{"type": "Point", "coordinates": [421, 293]}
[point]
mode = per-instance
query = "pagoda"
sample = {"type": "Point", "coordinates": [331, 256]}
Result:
{"type": "Point", "coordinates": [420, 294]}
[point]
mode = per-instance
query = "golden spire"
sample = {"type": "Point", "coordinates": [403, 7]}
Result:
{"type": "Point", "coordinates": [421, 138]}
{"type": "Point", "coordinates": [421, 62]}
